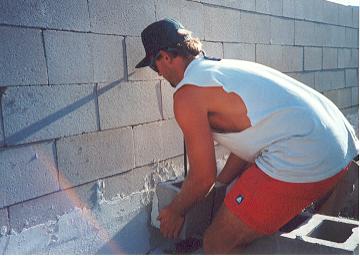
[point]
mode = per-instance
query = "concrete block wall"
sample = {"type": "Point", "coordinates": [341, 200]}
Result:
{"type": "Point", "coordinates": [74, 109]}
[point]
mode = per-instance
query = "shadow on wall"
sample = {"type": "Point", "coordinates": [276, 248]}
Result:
{"type": "Point", "coordinates": [33, 128]}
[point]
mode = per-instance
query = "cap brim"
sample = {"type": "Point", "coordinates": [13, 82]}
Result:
{"type": "Point", "coordinates": [143, 63]}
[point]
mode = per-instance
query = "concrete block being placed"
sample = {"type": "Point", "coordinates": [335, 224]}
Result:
{"type": "Point", "coordinates": [198, 218]}
{"type": "Point", "coordinates": [45, 112]}
{"type": "Point", "coordinates": [318, 234]}
{"type": "Point", "coordinates": [126, 17]}
{"type": "Point", "coordinates": [27, 172]}
{"type": "Point", "coordinates": [15, 69]}
{"type": "Point", "coordinates": [66, 14]}
{"type": "Point", "coordinates": [86, 157]}
{"type": "Point", "coordinates": [240, 51]}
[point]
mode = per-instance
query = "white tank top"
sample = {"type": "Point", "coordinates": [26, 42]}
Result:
{"type": "Point", "coordinates": [296, 134]}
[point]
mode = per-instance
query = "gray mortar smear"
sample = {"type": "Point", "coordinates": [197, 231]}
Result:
{"type": "Point", "coordinates": [116, 226]}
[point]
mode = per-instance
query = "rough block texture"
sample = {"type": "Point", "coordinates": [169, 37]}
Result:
{"type": "Point", "coordinates": [330, 13]}
{"type": "Point", "coordinates": [274, 7]}
{"type": "Point", "coordinates": [341, 97]}
{"type": "Point", "coordinates": [4, 220]}
{"type": "Point", "coordinates": [89, 157]}
{"type": "Point", "coordinates": [345, 16]}
{"type": "Point", "coordinates": [157, 141]}
{"type": "Point", "coordinates": [355, 16]}
{"type": "Point", "coordinates": [15, 43]}
{"type": "Point", "coordinates": [348, 58]}
{"type": "Point", "coordinates": [213, 49]}
{"type": "Point", "coordinates": [329, 80]}
{"type": "Point", "coordinates": [42, 209]}
{"type": "Point", "coordinates": [27, 172]}
{"type": "Point", "coordinates": [134, 53]}
{"type": "Point", "coordinates": [108, 57]}
{"type": "Point", "coordinates": [312, 58]}
{"type": "Point", "coordinates": [130, 103]}
{"type": "Point", "coordinates": [307, 78]}
{"type": "Point", "coordinates": [330, 58]}
{"type": "Point", "coordinates": [184, 11]}
{"type": "Point", "coordinates": [248, 5]}
{"type": "Point", "coordinates": [222, 24]}
{"type": "Point", "coordinates": [126, 17]}
{"type": "Point", "coordinates": [351, 37]}
{"type": "Point", "coordinates": [254, 28]}
{"type": "Point", "coordinates": [282, 31]}
{"type": "Point", "coordinates": [289, 8]}
{"type": "Point", "coordinates": [241, 51]}
{"type": "Point", "coordinates": [355, 96]}
{"type": "Point", "coordinates": [45, 112]}
{"type": "Point", "coordinates": [290, 61]}
{"type": "Point", "coordinates": [351, 78]}
{"type": "Point", "coordinates": [307, 33]}
{"type": "Point", "coordinates": [67, 14]}
{"type": "Point", "coordinates": [167, 99]}
{"type": "Point", "coordinates": [68, 57]}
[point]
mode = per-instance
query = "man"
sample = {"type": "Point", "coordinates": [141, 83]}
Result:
{"type": "Point", "coordinates": [289, 144]}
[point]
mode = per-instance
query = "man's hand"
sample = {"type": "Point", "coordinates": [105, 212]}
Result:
{"type": "Point", "coordinates": [171, 222]}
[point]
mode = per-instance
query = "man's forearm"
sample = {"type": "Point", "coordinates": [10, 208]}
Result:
{"type": "Point", "coordinates": [192, 191]}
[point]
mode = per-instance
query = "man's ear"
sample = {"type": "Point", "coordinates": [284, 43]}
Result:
{"type": "Point", "coordinates": [166, 55]}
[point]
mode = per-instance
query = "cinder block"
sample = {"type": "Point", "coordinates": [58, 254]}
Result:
{"type": "Point", "coordinates": [172, 139]}
{"type": "Point", "coordinates": [27, 172]}
{"type": "Point", "coordinates": [330, 56]}
{"type": "Point", "coordinates": [2, 138]}
{"type": "Point", "coordinates": [307, 78]}
{"type": "Point", "coordinates": [126, 17]}
{"type": "Point", "coordinates": [330, 12]}
{"type": "Point", "coordinates": [351, 78]}
{"type": "Point", "coordinates": [67, 14]}
{"type": "Point", "coordinates": [15, 69]}
{"type": "Point", "coordinates": [135, 53]}
{"type": "Point", "coordinates": [274, 7]}
{"type": "Point", "coordinates": [108, 57]}
{"type": "Point", "coordinates": [312, 58]}
{"type": "Point", "coordinates": [254, 28]}
{"type": "Point", "coordinates": [318, 234]}
{"type": "Point", "coordinates": [197, 219]}
{"type": "Point", "coordinates": [222, 24]}
{"type": "Point", "coordinates": [341, 97]}
{"type": "Point", "coordinates": [157, 141]}
{"type": "Point", "coordinates": [351, 37]}
{"type": "Point", "coordinates": [248, 5]}
{"type": "Point", "coordinates": [42, 209]}
{"type": "Point", "coordinates": [355, 16]}
{"type": "Point", "coordinates": [167, 92]}
{"type": "Point", "coordinates": [45, 112]}
{"type": "Point", "coordinates": [348, 58]}
{"type": "Point", "coordinates": [183, 11]}
{"type": "Point", "coordinates": [241, 51]}
{"type": "Point", "coordinates": [86, 158]}
{"type": "Point", "coordinates": [129, 103]}
{"type": "Point", "coordinates": [289, 8]}
{"type": "Point", "coordinates": [148, 146]}
{"type": "Point", "coordinates": [332, 36]}
{"type": "Point", "coordinates": [68, 57]}
{"type": "Point", "coordinates": [213, 49]}
{"type": "Point", "coordinates": [282, 31]}
{"type": "Point", "coordinates": [4, 221]}
{"type": "Point", "coordinates": [329, 80]}
{"type": "Point", "coordinates": [355, 96]}
{"type": "Point", "coordinates": [290, 60]}
{"type": "Point", "coordinates": [345, 15]}
{"type": "Point", "coordinates": [305, 34]}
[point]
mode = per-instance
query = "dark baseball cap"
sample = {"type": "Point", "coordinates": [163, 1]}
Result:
{"type": "Point", "coordinates": [160, 35]}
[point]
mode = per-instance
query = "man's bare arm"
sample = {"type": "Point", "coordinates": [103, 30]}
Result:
{"type": "Point", "coordinates": [234, 167]}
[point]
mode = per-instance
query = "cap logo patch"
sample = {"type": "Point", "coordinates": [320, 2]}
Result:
{"type": "Point", "coordinates": [239, 199]}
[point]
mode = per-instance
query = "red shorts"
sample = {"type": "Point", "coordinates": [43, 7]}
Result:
{"type": "Point", "coordinates": [266, 204]}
